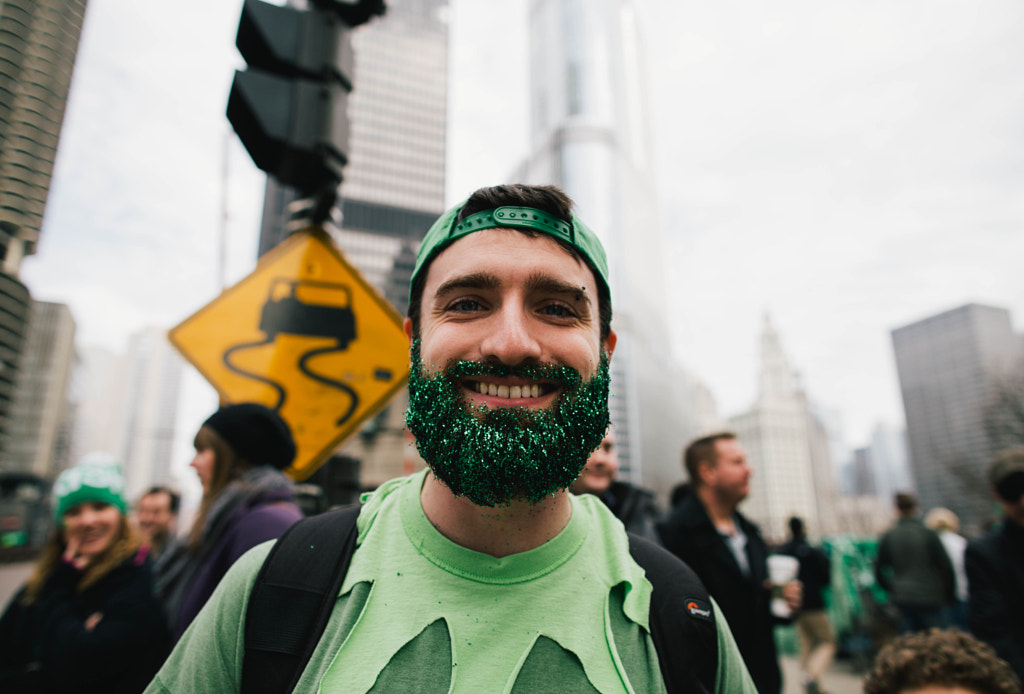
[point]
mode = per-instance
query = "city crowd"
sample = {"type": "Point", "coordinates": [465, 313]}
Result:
{"type": "Point", "coordinates": [113, 590]}
{"type": "Point", "coordinates": [517, 560]}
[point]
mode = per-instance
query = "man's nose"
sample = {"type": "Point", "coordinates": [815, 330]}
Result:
{"type": "Point", "coordinates": [510, 339]}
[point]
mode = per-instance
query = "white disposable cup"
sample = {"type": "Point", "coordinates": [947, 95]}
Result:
{"type": "Point", "coordinates": [781, 570]}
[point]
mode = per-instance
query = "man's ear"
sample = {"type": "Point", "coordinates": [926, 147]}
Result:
{"type": "Point", "coordinates": [706, 471]}
{"type": "Point", "coordinates": [610, 342]}
{"type": "Point", "coordinates": [407, 327]}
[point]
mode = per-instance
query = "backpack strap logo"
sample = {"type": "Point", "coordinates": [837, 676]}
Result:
{"type": "Point", "coordinates": [700, 609]}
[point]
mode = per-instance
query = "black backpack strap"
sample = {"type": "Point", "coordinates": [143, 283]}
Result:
{"type": "Point", "coordinates": [682, 619]}
{"type": "Point", "coordinates": [292, 599]}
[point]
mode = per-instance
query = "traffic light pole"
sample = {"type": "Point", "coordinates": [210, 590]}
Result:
{"type": "Point", "coordinates": [320, 210]}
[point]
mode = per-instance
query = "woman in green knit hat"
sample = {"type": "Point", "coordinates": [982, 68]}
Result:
{"type": "Point", "coordinates": [87, 619]}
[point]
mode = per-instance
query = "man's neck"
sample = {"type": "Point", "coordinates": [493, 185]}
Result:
{"type": "Point", "coordinates": [499, 531]}
{"type": "Point", "coordinates": [721, 512]}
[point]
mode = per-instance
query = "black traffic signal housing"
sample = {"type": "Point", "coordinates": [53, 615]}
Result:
{"type": "Point", "coordinates": [289, 107]}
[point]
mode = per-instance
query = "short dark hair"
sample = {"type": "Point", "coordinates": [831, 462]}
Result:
{"type": "Point", "coordinates": [175, 497]}
{"type": "Point", "coordinates": [945, 657]}
{"type": "Point", "coordinates": [1006, 474]}
{"type": "Point", "coordinates": [796, 527]}
{"type": "Point", "coordinates": [703, 451]}
{"type": "Point", "coordinates": [905, 502]}
{"type": "Point", "coordinates": [550, 199]}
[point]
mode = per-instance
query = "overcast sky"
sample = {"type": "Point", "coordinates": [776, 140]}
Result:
{"type": "Point", "coordinates": [844, 167]}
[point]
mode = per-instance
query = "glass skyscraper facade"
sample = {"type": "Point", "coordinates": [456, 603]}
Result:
{"type": "Point", "coordinates": [949, 366]}
{"type": "Point", "coordinates": [589, 135]}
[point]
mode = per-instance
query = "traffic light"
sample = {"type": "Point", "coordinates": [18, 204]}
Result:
{"type": "Point", "coordinates": [289, 107]}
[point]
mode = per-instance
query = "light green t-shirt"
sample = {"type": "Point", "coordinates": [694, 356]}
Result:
{"type": "Point", "coordinates": [417, 612]}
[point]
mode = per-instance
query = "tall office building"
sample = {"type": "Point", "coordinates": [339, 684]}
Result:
{"type": "Point", "coordinates": [588, 134]}
{"type": "Point", "coordinates": [38, 44]}
{"type": "Point", "coordinates": [38, 439]}
{"type": "Point", "coordinates": [787, 449]}
{"type": "Point", "coordinates": [887, 454]}
{"type": "Point", "coordinates": [394, 181]}
{"type": "Point", "coordinates": [101, 391]}
{"type": "Point", "coordinates": [949, 366]}
{"type": "Point", "coordinates": [129, 407]}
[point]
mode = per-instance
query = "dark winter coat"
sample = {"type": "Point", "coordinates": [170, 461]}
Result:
{"type": "Point", "coordinates": [635, 507]}
{"type": "Point", "coordinates": [995, 575]}
{"type": "Point", "coordinates": [46, 647]}
{"type": "Point", "coordinates": [689, 533]}
{"type": "Point", "coordinates": [913, 567]}
{"type": "Point", "coordinates": [259, 519]}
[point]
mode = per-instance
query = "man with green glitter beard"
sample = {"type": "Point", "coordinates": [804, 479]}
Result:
{"type": "Point", "coordinates": [482, 573]}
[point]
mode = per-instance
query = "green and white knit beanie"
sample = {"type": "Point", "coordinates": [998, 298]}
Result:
{"type": "Point", "coordinates": [97, 477]}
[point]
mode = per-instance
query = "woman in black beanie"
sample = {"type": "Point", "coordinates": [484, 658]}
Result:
{"type": "Point", "coordinates": [240, 452]}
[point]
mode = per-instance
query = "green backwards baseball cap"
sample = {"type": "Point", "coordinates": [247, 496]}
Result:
{"type": "Point", "coordinates": [448, 228]}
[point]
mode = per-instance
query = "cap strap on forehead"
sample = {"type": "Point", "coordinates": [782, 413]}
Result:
{"type": "Point", "coordinates": [448, 228]}
{"type": "Point", "coordinates": [521, 217]}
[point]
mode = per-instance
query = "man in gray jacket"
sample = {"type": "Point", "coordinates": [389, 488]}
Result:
{"type": "Point", "coordinates": [913, 567]}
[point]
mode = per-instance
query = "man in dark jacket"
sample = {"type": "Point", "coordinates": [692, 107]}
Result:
{"type": "Point", "coordinates": [727, 551]}
{"type": "Point", "coordinates": [995, 567]}
{"type": "Point", "coordinates": [913, 567]}
{"type": "Point", "coordinates": [632, 505]}
{"type": "Point", "coordinates": [817, 641]}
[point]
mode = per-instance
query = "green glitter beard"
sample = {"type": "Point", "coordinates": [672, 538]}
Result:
{"type": "Point", "coordinates": [495, 455]}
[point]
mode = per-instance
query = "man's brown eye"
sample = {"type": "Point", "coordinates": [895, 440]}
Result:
{"type": "Point", "coordinates": [557, 310]}
{"type": "Point", "coordinates": [464, 305]}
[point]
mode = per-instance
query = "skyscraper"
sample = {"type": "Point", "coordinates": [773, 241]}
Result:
{"type": "Point", "coordinates": [130, 407]}
{"type": "Point", "coordinates": [949, 365]}
{"type": "Point", "coordinates": [41, 416]}
{"type": "Point", "coordinates": [887, 454]}
{"type": "Point", "coordinates": [787, 449]}
{"type": "Point", "coordinates": [38, 44]}
{"type": "Point", "coordinates": [588, 134]}
{"type": "Point", "coordinates": [394, 180]}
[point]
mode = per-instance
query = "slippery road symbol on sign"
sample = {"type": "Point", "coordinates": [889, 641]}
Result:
{"type": "Point", "coordinates": [304, 334]}
{"type": "Point", "coordinates": [291, 315]}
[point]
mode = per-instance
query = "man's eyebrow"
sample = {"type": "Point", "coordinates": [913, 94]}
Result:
{"type": "Point", "coordinates": [553, 285]}
{"type": "Point", "coordinates": [535, 283]}
{"type": "Point", "coordinates": [476, 280]}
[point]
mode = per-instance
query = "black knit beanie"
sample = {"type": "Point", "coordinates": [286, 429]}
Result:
{"type": "Point", "coordinates": [255, 433]}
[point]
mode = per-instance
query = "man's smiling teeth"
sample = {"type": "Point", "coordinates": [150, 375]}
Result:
{"type": "Point", "coordinates": [530, 391]}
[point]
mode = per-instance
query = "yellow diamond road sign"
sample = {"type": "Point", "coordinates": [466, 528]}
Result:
{"type": "Point", "coordinates": [304, 334]}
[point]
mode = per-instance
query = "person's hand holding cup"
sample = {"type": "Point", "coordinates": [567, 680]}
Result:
{"type": "Point", "coordinates": [787, 592]}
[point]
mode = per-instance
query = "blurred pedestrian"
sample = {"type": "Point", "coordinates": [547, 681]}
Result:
{"type": "Point", "coordinates": [87, 619]}
{"type": "Point", "coordinates": [240, 452]}
{"type": "Point", "coordinates": [727, 551]}
{"type": "Point", "coordinates": [156, 514]}
{"type": "Point", "coordinates": [914, 569]}
{"type": "Point", "coordinates": [995, 566]}
{"type": "Point", "coordinates": [939, 662]}
{"type": "Point", "coordinates": [817, 640]}
{"type": "Point", "coordinates": [947, 525]}
{"type": "Point", "coordinates": [632, 505]}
